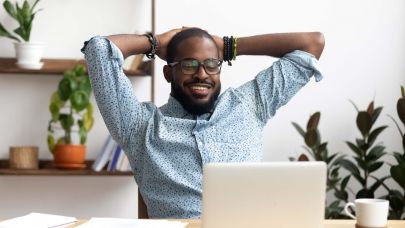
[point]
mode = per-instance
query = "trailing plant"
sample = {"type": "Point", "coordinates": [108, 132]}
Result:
{"type": "Point", "coordinates": [366, 154]}
{"type": "Point", "coordinates": [396, 198]}
{"type": "Point", "coordinates": [24, 15]}
{"type": "Point", "coordinates": [318, 151]}
{"type": "Point", "coordinates": [70, 106]}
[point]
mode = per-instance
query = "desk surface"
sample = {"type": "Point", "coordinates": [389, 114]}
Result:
{"type": "Point", "coordinates": [328, 223]}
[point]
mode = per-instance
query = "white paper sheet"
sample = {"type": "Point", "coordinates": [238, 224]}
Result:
{"type": "Point", "coordinates": [38, 220]}
{"type": "Point", "coordinates": [131, 223]}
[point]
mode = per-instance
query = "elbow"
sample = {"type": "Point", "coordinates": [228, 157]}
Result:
{"type": "Point", "coordinates": [316, 44]}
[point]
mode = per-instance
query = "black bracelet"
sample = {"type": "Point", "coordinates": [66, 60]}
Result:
{"type": "Point", "coordinates": [228, 49]}
{"type": "Point", "coordinates": [154, 45]}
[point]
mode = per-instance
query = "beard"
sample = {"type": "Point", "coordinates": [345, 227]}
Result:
{"type": "Point", "coordinates": [195, 108]}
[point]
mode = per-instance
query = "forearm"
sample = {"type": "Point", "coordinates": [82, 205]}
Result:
{"type": "Point", "coordinates": [131, 44]}
{"type": "Point", "coordinates": [279, 44]}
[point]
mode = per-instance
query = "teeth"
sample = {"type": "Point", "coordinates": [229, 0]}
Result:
{"type": "Point", "coordinates": [198, 87]}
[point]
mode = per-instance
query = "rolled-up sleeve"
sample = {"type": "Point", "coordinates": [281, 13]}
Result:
{"type": "Point", "coordinates": [123, 114]}
{"type": "Point", "coordinates": [276, 85]}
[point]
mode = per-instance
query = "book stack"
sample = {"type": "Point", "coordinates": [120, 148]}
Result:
{"type": "Point", "coordinates": [111, 158]}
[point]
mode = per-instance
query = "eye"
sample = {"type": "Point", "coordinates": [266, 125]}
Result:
{"type": "Point", "coordinates": [211, 63]}
{"type": "Point", "coordinates": [189, 64]}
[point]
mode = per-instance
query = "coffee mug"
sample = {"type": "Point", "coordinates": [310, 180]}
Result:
{"type": "Point", "coordinates": [369, 212]}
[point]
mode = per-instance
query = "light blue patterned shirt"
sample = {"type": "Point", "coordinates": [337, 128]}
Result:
{"type": "Point", "coordinates": [167, 147]}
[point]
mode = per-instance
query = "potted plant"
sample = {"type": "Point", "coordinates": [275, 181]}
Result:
{"type": "Point", "coordinates": [72, 112]}
{"type": "Point", "coordinates": [28, 53]}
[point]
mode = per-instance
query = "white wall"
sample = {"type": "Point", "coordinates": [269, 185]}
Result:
{"type": "Point", "coordinates": [363, 59]}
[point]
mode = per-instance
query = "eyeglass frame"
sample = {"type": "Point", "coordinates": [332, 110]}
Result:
{"type": "Point", "coordinates": [173, 64]}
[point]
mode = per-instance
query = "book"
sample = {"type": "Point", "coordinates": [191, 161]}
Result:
{"type": "Point", "coordinates": [38, 220]}
{"type": "Point", "coordinates": [104, 155]}
{"type": "Point", "coordinates": [131, 223]}
{"type": "Point", "coordinates": [114, 158]}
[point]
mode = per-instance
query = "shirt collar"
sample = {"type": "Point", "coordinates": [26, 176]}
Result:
{"type": "Point", "coordinates": [177, 110]}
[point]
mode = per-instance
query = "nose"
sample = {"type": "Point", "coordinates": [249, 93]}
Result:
{"type": "Point", "coordinates": [201, 74]}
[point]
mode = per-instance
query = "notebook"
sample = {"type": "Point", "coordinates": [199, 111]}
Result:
{"type": "Point", "coordinates": [279, 194]}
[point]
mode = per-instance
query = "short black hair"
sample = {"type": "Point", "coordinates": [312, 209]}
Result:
{"type": "Point", "coordinates": [181, 36]}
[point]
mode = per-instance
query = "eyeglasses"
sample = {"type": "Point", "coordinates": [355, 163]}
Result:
{"type": "Point", "coordinates": [191, 66]}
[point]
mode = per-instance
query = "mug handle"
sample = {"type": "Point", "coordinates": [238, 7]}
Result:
{"type": "Point", "coordinates": [350, 204]}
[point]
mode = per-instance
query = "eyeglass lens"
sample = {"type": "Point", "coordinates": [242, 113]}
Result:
{"type": "Point", "coordinates": [191, 66]}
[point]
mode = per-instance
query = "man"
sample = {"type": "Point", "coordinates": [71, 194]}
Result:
{"type": "Point", "coordinates": [168, 146]}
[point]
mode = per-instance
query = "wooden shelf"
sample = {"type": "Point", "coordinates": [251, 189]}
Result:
{"type": "Point", "coordinates": [58, 66]}
{"type": "Point", "coordinates": [46, 168]}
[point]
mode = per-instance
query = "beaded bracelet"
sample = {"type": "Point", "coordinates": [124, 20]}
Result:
{"type": "Point", "coordinates": [154, 45]}
{"type": "Point", "coordinates": [229, 49]}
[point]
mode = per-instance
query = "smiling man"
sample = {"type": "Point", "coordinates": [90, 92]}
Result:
{"type": "Point", "coordinates": [167, 146]}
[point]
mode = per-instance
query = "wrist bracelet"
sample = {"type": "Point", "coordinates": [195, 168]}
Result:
{"type": "Point", "coordinates": [154, 45]}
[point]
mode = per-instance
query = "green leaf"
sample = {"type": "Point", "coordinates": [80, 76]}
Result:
{"type": "Point", "coordinates": [355, 149]}
{"type": "Point", "coordinates": [355, 106]}
{"type": "Point", "coordinates": [375, 115]}
{"type": "Point", "coordinates": [342, 195]}
{"type": "Point", "coordinates": [401, 109]}
{"type": "Point", "coordinates": [395, 201]}
{"type": "Point", "coordinates": [375, 153]}
{"type": "Point", "coordinates": [83, 135]}
{"type": "Point", "coordinates": [378, 183]}
{"type": "Point", "coordinates": [79, 70]}
{"type": "Point", "coordinates": [311, 138]}
{"type": "Point", "coordinates": [88, 122]}
{"type": "Point", "coordinates": [364, 193]}
{"type": "Point", "coordinates": [398, 174]}
{"type": "Point", "coordinates": [79, 100]}
{"type": "Point", "coordinates": [5, 33]}
{"type": "Point", "coordinates": [344, 182]}
{"type": "Point", "coordinates": [374, 134]}
{"type": "Point", "coordinates": [64, 89]}
{"type": "Point", "coordinates": [338, 160]}
{"type": "Point", "coordinates": [313, 121]}
{"type": "Point", "coordinates": [330, 158]}
{"type": "Point", "coordinates": [85, 85]}
{"type": "Point", "coordinates": [375, 166]}
{"type": "Point", "coordinates": [10, 9]}
{"type": "Point", "coordinates": [51, 143]}
{"type": "Point", "coordinates": [360, 162]}
{"type": "Point", "coordinates": [54, 109]}
{"type": "Point", "coordinates": [299, 129]}
{"type": "Point", "coordinates": [66, 121]}
{"type": "Point", "coordinates": [364, 122]}
{"type": "Point", "coordinates": [90, 109]}
{"type": "Point", "coordinates": [400, 159]}
{"type": "Point", "coordinates": [352, 168]}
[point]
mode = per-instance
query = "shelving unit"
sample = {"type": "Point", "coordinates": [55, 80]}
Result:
{"type": "Point", "coordinates": [46, 168]}
{"type": "Point", "coordinates": [57, 67]}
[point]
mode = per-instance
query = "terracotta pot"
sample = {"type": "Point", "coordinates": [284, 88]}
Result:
{"type": "Point", "coordinates": [70, 156]}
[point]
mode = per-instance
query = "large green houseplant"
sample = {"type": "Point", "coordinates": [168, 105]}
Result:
{"type": "Point", "coordinates": [318, 151]}
{"type": "Point", "coordinates": [72, 112]}
{"type": "Point", "coordinates": [28, 53]}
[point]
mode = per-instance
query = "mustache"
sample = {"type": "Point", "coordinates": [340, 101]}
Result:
{"type": "Point", "coordinates": [199, 81]}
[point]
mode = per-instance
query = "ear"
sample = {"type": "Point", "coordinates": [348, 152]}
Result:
{"type": "Point", "coordinates": [167, 72]}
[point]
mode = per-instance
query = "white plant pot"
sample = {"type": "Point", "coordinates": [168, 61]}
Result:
{"type": "Point", "coordinates": [29, 55]}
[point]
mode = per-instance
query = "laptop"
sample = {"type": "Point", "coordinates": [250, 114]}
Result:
{"type": "Point", "coordinates": [267, 194]}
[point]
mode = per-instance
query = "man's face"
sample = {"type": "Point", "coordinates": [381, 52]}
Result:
{"type": "Point", "coordinates": [197, 92]}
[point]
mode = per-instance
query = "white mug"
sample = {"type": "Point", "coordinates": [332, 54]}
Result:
{"type": "Point", "coordinates": [369, 212]}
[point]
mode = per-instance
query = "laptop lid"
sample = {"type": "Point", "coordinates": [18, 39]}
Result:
{"type": "Point", "coordinates": [274, 194]}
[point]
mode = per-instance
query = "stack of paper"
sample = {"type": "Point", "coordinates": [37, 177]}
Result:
{"type": "Point", "coordinates": [131, 223]}
{"type": "Point", "coordinates": [38, 220]}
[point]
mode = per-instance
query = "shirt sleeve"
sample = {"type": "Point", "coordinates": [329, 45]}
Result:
{"type": "Point", "coordinates": [276, 85]}
{"type": "Point", "coordinates": [123, 114]}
